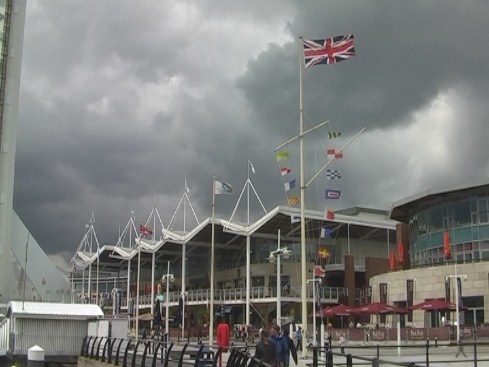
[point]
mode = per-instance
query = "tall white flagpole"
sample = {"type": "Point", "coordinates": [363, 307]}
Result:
{"type": "Point", "coordinates": [303, 222]}
{"type": "Point", "coordinates": [184, 260]}
{"type": "Point", "coordinates": [98, 272]}
{"type": "Point", "coordinates": [211, 311]}
{"type": "Point", "coordinates": [137, 291]}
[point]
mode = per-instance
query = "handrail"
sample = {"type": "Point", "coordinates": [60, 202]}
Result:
{"type": "Point", "coordinates": [116, 363]}
{"type": "Point", "coordinates": [238, 295]}
{"type": "Point", "coordinates": [82, 351]}
{"type": "Point", "coordinates": [133, 363]}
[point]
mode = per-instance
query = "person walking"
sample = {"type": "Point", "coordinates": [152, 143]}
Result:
{"type": "Point", "coordinates": [265, 349]}
{"type": "Point", "coordinates": [281, 344]}
{"type": "Point", "coordinates": [292, 349]}
{"type": "Point", "coordinates": [298, 336]}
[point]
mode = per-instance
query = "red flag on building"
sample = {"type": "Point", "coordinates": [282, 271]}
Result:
{"type": "Point", "coordinates": [400, 253]}
{"type": "Point", "coordinates": [392, 260]}
{"type": "Point", "coordinates": [446, 246]}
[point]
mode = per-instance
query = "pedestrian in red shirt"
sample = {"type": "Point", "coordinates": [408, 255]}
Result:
{"type": "Point", "coordinates": [223, 334]}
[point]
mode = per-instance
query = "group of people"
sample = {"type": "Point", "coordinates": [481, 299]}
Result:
{"type": "Point", "coordinates": [275, 348]}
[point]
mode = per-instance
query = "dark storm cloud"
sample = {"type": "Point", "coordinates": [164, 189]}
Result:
{"type": "Point", "coordinates": [119, 101]}
{"type": "Point", "coordinates": [407, 53]}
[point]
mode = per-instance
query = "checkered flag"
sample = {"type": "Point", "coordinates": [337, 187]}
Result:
{"type": "Point", "coordinates": [332, 174]}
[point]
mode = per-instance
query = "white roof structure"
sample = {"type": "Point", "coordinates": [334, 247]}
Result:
{"type": "Point", "coordinates": [48, 310]}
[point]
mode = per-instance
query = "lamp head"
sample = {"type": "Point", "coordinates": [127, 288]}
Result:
{"type": "Point", "coordinates": [286, 253]}
{"type": "Point", "coordinates": [271, 258]}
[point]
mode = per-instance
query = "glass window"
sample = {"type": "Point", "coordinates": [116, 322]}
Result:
{"type": "Point", "coordinates": [473, 301]}
{"type": "Point", "coordinates": [436, 218]}
{"type": "Point", "coordinates": [483, 210]}
{"type": "Point", "coordinates": [257, 281]}
{"type": "Point", "coordinates": [462, 213]}
{"type": "Point", "coordinates": [476, 255]}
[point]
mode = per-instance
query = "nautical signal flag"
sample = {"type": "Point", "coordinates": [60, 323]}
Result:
{"type": "Point", "coordinates": [295, 219]}
{"type": "Point", "coordinates": [285, 171]}
{"type": "Point", "coordinates": [281, 155]}
{"type": "Point", "coordinates": [334, 134]}
{"type": "Point", "coordinates": [446, 246]}
{"type": "Point", "coordinates": [145, 230]}
{"type": "Point", "coordinates": [289, 185]}
{"type": "Point", "coordinates": [333, 153]}
{"type": "Point", "coordinates": [221, 187]}
{"type": "Point", "coordinates": [293, 201]}
{"type": "Point", "coordinates": [329, 215]}
{"type": "Point", "coordinates": [327, 232]}
{"type": "Point", "coordinates": [328, 51]}
{"type": "Point", "coordinates": [323, 253]}
{"type": "Point", "coordinates": [332, 174]}
{"type": "Point", "coordinates": [319, 272]}
{"type": "Point", "coordinates": [333, 194]}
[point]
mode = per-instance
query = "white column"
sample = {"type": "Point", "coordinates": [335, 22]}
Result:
{"type": "Point", "coordinates": [152, 286]}
{"type": "Point", "coordinates": [279, 288]}
{"type": "Point", "coordinates": [8, 142]}
{"type": "Point", "coordinates": [184, 258]}
{"type": "Point", "coordinates": [128, 283]}
{"type": "Point", "coordinates": [248, 280]}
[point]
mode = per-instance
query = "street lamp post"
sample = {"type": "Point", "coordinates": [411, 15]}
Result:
{"type": "Point", "coordinates": [276, 255]}
{"type": "Point", "coordinates": [457, 304]}
{"type": "Point", "coordinates": [313, 281]}
{"type": "Point", "coordinates": [167, 278]}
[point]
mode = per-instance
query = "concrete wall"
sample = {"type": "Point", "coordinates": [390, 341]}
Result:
{"type": "Point", "coordinates": [429, 283]}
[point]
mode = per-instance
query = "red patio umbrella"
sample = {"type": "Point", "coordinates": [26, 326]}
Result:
{"type": "Point", "coordinates": [435, 305]}
{"type": "Point", "coordinates": [339, 310]}
{"type": "Point", "coordinates": [381, 309]}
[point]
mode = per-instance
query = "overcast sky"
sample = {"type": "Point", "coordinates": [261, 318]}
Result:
{"type": "Point", "coordinates": [121, 99]}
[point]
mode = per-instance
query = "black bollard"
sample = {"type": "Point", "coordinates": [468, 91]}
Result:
{"type": "Point", "coordinates": [315, 357]}
{"type": "Point", "coordinates": [329, 359]}
{"type": "Point", "coordinates": [349, 360]}
{"type": "Point", "coordinates": [436, 342]}
{"type": "Point", "coordinates": [475, 352]}
{"type": "Point", "coordinates": [378, 352]}
{"type": "Point", "coordinates": [427, 352]}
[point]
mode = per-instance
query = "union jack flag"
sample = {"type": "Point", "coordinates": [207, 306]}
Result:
{"type": "Point", "coordinates": [328, 51]}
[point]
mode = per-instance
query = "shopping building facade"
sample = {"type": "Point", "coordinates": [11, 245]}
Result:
{"type": "Point", "coordinates": [458, 214]}
{"type": "Point", "coordinates": [357, 247]}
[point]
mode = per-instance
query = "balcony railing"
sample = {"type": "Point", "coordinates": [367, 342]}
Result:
{"type": "Point", "coordinates": [238, 295]}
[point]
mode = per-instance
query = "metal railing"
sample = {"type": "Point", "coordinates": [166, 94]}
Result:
{"type": "Point", "coordinates": [420, 355]}
{"type": "Point", "coordinates": [154, 351]}
{"type": "Point", "coordinates": [238, 295]}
